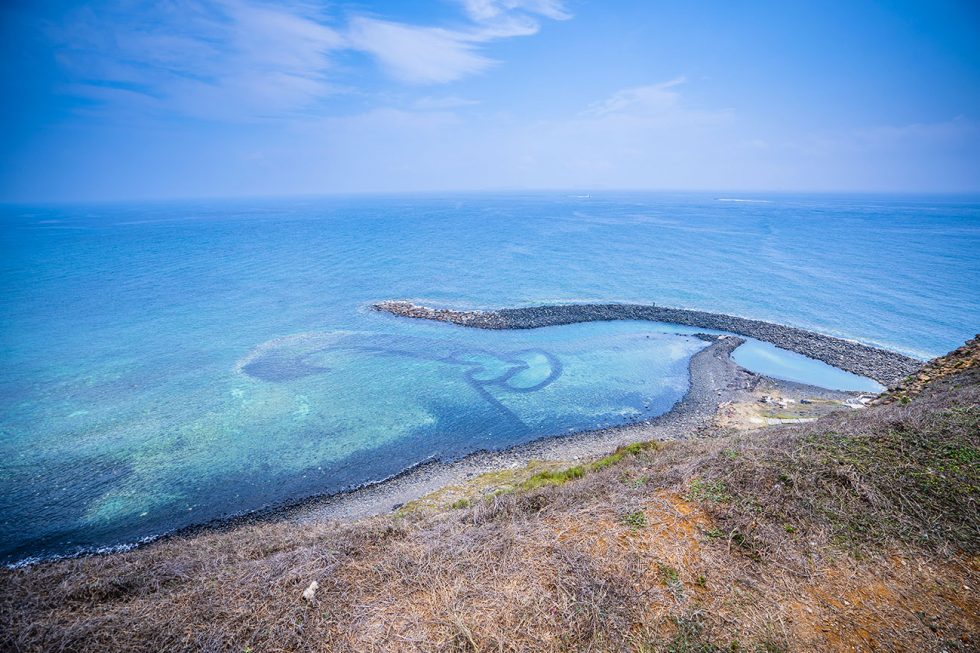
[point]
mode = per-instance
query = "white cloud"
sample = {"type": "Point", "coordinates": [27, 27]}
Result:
{"type": "Point", "coordinates": [288, 41]}
{"type": "Point", "coordinates": [418, 55]}
{"type": "Point", "coordinates": [246, 59]}
{"type": "Point", "coordinates": [640, 100]}
{"type": "Point", "coordinates": [638, 137]}
{"type": "Point", "coordinates": [643, 136]}
{"type": "Point", "coordinates": [485, 10]}
{"type": "Point", "coordinates": [229, 59]}
{"type": "Point", "coordinates": [434, 55]}
{"type": "Point", "coordinates": [496, 19]}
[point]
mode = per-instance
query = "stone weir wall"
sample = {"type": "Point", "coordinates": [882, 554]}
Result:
{"type": "Point", "coordinates": [885, 367]}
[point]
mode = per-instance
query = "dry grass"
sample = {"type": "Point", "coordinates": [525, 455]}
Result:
{"type": "Point", "coordinates": [856, 532]}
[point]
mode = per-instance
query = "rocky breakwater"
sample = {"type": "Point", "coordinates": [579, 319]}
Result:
{"type": "Point", "coordinates": [885, 367]}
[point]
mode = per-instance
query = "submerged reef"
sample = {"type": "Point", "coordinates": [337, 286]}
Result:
{"type": "Point", "coordinates": [885, 367]}
{"type": "Point", "coordinates": [522, 371]}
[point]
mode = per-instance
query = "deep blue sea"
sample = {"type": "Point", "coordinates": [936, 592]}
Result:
{"type": "Point", "coordinates": [165, 364]}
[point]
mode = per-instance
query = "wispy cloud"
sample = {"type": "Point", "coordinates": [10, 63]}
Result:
{"type": "Point", "coordinates": [651, 106]}
{"type": "Point", "coordinates": [486, 10]}
{"type": "Point", "coordinates": [418, 55]}
{"type": "Point", "coordinates": [235, 59]}
{"type": "Point", "coordinates": [506, 18]}
{"type": "Point", "coordinates": [436, 55]}
{"type": "Point", "coordinates": [638, 137]}
{"type": "Point", "coordinates": [211, 60]}
{"type": "Point", "coordinates": [639, 100]}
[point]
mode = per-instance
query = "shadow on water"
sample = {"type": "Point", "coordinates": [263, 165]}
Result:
{"type": "Point", "coordinates": [521, 371]}
{"type": "Point", "coordinates": [255, 453]}
{"type": "Point", "coordinates": [261, 491]}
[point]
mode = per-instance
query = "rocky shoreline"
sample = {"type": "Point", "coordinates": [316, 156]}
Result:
{"type": "Point", "coordinates": [885, 367]}
{"type": "Point", "coordinates": [714, 377]}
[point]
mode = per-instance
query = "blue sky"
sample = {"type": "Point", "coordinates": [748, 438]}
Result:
{"type": "Point", "coordinates": [189, 98]}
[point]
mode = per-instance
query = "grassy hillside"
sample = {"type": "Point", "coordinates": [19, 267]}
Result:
{"type": "Point", "coordinates": [859, 531]}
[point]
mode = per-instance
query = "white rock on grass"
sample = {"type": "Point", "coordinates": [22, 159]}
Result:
{"type": "Point", "coordinates": [310, 592]}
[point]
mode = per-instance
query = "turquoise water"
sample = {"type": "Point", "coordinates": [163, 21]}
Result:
{"type": "Point", "coordinates": [168, 364]}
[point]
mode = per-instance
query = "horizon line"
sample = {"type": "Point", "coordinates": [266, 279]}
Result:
{"type": "Point", "coordinates": [496, 191]}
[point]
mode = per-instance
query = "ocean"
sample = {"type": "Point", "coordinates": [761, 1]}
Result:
{"type": "Point", "coordinates": [167, 364]}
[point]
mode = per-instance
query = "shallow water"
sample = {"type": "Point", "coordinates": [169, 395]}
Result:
{"type": "Point", "coordinates": [165, 364]}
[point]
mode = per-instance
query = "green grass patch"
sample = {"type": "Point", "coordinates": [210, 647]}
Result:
{"type": "Point", "coordinates": [622, 452]}
{"type": "Point", "coordinates": [911, 476]}
{"type": "Point", "coordinates": [507, 481]}
{"type": "Point", "coordinates": [891, 479]}
{"type": "Point", "coordinates": [702, 490]}
{"type": "Point", "coordinates": [553, 477]}
{"type": "Point", "coordinates": [562, 476]}
{"type": "Point", "coordinates": [668, 574]}
{"type": "Point", "coordinates": [635, 519]}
